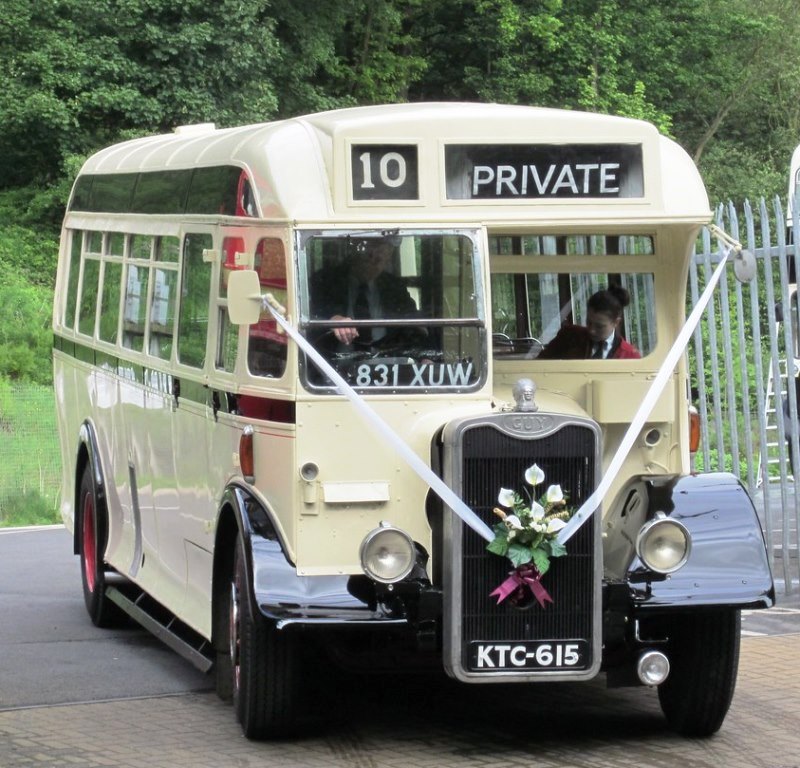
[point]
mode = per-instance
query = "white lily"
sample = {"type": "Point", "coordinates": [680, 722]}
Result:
{"type": "Point", "coordinates": [554, 494]}
{"type": "Point", "coordinates": [534, 475]}
{"type": "Point", "coordinates": [537, 512]}
{"type": "Point", "coordinates": [512, 521]}
{"type": "Point", "coordinates": [505, 497]}
{"type": "Point", "coordinates": [555, 525]}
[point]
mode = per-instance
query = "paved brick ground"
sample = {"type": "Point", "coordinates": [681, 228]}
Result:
{"type": "Point", "coordinates": [397, 723]}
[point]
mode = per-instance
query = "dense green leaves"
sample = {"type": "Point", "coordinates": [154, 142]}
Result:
{"type": "Point", "coordinates": [721, 76]}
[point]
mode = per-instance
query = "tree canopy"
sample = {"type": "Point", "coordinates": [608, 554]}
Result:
{"type": "Point", "coordinates": [720, 76]}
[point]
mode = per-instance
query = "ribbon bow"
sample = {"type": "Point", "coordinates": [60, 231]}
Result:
{"type": "Point", "coordinates": [522, 579]}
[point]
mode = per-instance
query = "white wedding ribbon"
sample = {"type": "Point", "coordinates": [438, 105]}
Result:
{"type": "Point", "coordinates": [427, 475]}
{"type": "Point", "coordinates": [592, 504]}
{"type": "Point", "coordinates": [445, 493]}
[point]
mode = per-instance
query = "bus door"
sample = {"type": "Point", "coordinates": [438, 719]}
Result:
{"type": "Point", "coordinates": [183, 534]}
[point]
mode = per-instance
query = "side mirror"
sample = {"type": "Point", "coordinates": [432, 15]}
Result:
{"type": "Point", "coordinates": [744, 266]}
{"type": "Point", "coordinates": [244, 297]}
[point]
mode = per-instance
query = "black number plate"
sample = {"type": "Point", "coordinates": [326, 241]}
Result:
{"type": "Point", "coordinates": [528, 655]}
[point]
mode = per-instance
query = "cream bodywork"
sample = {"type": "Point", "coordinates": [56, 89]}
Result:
{"type": "Point", "coordinates": [182, 457]}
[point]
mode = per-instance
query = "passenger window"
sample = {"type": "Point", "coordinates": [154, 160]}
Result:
{"type": "Point", "coordinates": [72, 283]}
{"type": "Point", "coordinates": [227, 342]}
{"type": "Point", "coordinates": [141, 247]}
{"type": "Point", "coordinates": [133, 322]}
{"type": "Point", "coordinates": [567, 316]}
{"type": "Point", "coordinates": [574, 313]}
{"type": "Point", "coordinates": [162, 312]}
{"type": "Point", "coordinates": [266, 345]}
{"type": "Point", "coordinates": [109, 303]}
{"type": "Point", "coordinates": [116, 244]}
{"type": "Point", "coordinates": [195, 292]}
{"type": "Point", "coordinates": [87, 311]}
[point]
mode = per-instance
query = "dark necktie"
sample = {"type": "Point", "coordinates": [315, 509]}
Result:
{"type": "Point", "coordinates": [361, 310]}
{"type": "Point", "coordinates": [598, 351]}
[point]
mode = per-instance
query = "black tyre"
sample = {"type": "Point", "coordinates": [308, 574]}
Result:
{"type": "Point", "coordinates": [264, 664]}
{"type": "Point", "coordinates": [92, 528]}
{"type": "Point", "coordinates": [703, 652]}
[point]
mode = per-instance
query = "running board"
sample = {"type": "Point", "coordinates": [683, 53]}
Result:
{"type": "Point", "coordinates": [166, 627]}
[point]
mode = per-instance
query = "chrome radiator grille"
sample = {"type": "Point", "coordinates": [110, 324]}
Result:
{"type": "Point", "coordinates": [489, 458]}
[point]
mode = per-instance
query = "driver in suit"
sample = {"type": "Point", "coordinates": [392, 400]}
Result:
{"type": "Point", "coordinates": [363, 290]}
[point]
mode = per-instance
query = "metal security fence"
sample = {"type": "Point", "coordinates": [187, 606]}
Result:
{"type": "Point", "coordinates": [30, 463]}
{"type": "Point", "coordinates": [744, 362]}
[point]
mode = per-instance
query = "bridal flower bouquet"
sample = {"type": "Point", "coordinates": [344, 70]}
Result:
{"type": "Point", "coordinates": [526, 535]}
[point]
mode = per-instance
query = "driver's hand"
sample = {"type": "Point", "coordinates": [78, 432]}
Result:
{"type": "Point", "coordinates": [344, 335]}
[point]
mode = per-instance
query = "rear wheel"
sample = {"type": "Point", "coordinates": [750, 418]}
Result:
{"type": "Point", "coordinates": [704, 659]}
{"type": "Point", "coordinates": [264, 663]}
{"type": "Point", "coordinates": [93, 530]}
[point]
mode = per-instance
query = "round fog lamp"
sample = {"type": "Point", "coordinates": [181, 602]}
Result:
{"type": "Point", "coordinates": [663, 545]}
{"type": "Point", "coordinates": [387, 554]}
{"type": "Point", "coordinates": [652, 668]}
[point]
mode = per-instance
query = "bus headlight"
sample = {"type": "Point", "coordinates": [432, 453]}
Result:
{"type": "Point", "coordinates": [663, 544]}
{"type": "Point", "coordinates": [387, 554]}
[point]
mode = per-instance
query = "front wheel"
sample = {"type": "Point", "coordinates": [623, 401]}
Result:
{"type": "Point", "coordinates": [92, 532]}
{"type": "Point", "coordinates": [264, 664]}
{"type": "Point", "coordinates": [703, 652]}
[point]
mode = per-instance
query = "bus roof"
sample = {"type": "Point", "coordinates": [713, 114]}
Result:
{"type": "Point", "coordinates": [440, 162]}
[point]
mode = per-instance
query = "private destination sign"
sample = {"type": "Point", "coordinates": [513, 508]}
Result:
{"type": "Point", "coordinates": [514, 171]}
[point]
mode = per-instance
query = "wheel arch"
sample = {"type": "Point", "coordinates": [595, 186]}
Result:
{"type": "Point", "coordinates": [240, 513]}
{"type": "Point", "coordinates": [88, 454]}
{"type": "Point", "coordinates": [729, 564]}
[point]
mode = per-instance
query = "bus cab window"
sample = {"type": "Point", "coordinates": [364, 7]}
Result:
{"type": "Point", "coordinates": [422, 285]}
{"type": "Point", "coordinates": [266, 345]}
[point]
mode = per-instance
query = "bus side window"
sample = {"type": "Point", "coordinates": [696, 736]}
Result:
{"type": "Point", "coordinates": [109, 302]}
{"type": "Point", "coordinates": [266, 347]}
{"type": "Point", "coordinates": [87, 309]}
{"type": "Point", "coordinates": [111, 292]}
{"type": "Point", "coordinates": [195, 291]}
{"type": "Point", "coordinates": [133, 322]}
{"type": "Point", "coordinates": [137, 279]}
{"type": "Point", "coordinates": [70, 309]}
{"type": "Point", "coordinates": [228, 333]}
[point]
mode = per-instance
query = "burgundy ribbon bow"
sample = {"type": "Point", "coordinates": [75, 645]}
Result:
{"type": "Point", "coordinates": [525, 577]}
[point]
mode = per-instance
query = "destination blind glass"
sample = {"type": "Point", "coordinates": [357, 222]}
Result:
{"type": "Point", "coordinates": [512, 171]}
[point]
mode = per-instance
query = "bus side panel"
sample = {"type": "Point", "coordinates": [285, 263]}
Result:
{"type": "Point", "coordinates": [68, 421]}
{"type": "Point", "coordinates": [112, 439]}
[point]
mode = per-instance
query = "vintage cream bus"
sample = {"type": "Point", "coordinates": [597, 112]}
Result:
{"type": "Point", "coordinates": [312, 398]}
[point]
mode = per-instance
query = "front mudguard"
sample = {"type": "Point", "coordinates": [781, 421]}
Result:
{"type": "Point", "coordinates": [279, 593]}
{"type": "Point", "coordinates": [728, 564]}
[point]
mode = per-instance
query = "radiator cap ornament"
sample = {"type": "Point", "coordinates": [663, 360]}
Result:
{"type": "Point", "coordinates": [524, 392]}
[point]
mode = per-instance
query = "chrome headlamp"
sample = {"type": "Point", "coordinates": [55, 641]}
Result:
{"type": "Point", "coordinates": [663, 544]}
{"type": "Point", "coordinates": [387, 554]}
